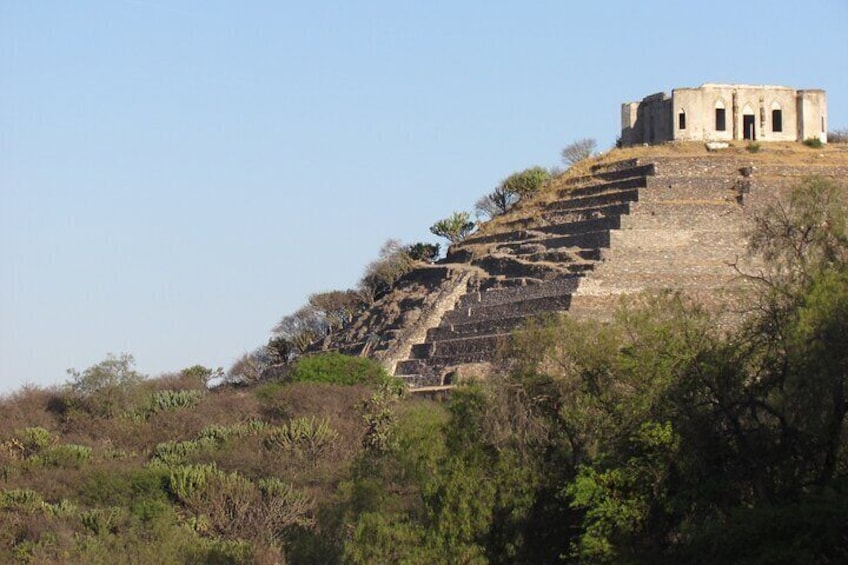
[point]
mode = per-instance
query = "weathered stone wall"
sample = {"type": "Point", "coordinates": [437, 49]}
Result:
{"type": "Point", "coordinates": [689, 230]}
{"type": "Point", "coordinates": [649, 121]}
{"type": "Point", "coordinates": [762, 113]}
{"type": "Point", "coordinates": [812, 115]}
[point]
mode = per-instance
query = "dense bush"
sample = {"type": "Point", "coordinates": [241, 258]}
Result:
{"type": "Point", "coordinates": [510, 190]}
{"type": "Point", "coordinates": [107, 388]}
{"type": "Point", "coordinates": [426, 252]}
{"type": "Point", "coordinates": [526, 182]}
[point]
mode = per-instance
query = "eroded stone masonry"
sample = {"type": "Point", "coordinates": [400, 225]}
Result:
{"type": "Point", "coordinates": [641, 224]}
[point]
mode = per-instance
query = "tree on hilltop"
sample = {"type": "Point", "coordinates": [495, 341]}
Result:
{"type": "Point", "coordinates": [578, 151]}
{"type": "Point", "coordinates": [510, 190]}
{"type": "Point", "coordinates": [382, 274]}
{"type": "Point", "coordinates": [454, 228]}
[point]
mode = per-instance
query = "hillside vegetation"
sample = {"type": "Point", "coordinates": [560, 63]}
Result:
{"type": "Point", "coordinates": [655, 438]}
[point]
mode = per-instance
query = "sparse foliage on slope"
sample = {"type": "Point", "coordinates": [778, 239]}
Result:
{"type": "Point", "coordinates": [578, 151]}
{"type": "Point", "coordinates": [381, 275]}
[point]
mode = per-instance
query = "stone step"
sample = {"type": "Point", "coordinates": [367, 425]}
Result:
{"type": "Point", "coordinates": [589, 240]}
{"type": "Point", "coordinates": [564, 228]}
{"type": "Point", "coordinates": [495, 296]}
{"type": "Point", "coordinates": [531, 307]}
{"type": "Point", "coordinates": [486, 284]}
{"type": "Point", "coordinates": [621, 165]}
{"type": "Point", "coordinates": [664, 264]}
{"type": "Point", "coordinates": [588, 202]}
{"type": "Point", "coordinates": [488, 327]}
{"type": "Point", "coordinates": [612, 175]}
{"type": "Point", "coordinates": [590, 254]}
{"type": "Point", "coordinates": [419, 380]}
{"type": "Point", "coordinates": [467, 345]}
{"type": "Point", "coordinates": [601, 188]}
{"type": "Point", "coordinates": [554, 217]}
{"type": "Point", "coordinates": [433, 367]}
{"type": "Point", "coordinates": [352, 349]}
{"type": "Point", "coordinates": [512, 267]}
{"type": "Point", "coordinates": [715, 166]}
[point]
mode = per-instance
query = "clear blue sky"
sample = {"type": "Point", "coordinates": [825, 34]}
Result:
{"type": "Point", "coordinates": [177, 175]}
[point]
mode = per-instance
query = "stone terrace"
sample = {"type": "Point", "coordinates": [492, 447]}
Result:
{"type": "Point", "coordinates": [676, 222]}
{"type": "Point", "coordinates": [531, 267]}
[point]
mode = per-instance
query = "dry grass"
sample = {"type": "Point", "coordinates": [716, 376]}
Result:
{"type": "Point", "coordinates": [30, 406]}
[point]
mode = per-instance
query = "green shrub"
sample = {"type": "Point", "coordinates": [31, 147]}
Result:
{"type": "Point", "coordinates": [62, 509]}
{"type": "Point", "coordinates": [335, 368]}
{"type": "Point", "coordinates": [102, 520]}
{"type": "Point", "coordinates": [125, 489]}
{"type": "Point", "coordinates": [28, 442]}
{"type": "Point", "coordinates": [108, 388]}
{"type": "Point", "coordinates": [267, 392]}
{"type": "Point", "coordinates": [220, 434]}
{"type": "Point", "coordinates": [66, 456]}
{"type": "Point", "coordinates": [753, 147]}
{"type": "Point", "coordinates": [510, 190]}
{"type": "Point", "coordinates": [171, 453]}
{"type": "Point", "coordinates": [426, 252]}
{"type": "Point", "coordinates": [303, 437]}
{"type": "Point", "coordinates": [185, 480]}
{"type": "Point", "coordinates": [20, 499]}
{"type": "Point", "coordinates": [526, 182]}
{"type": "Point", "coordinates": [173, 400]}
{"type": "Point", "coordinates": [454, 228]}
{"type": "Point", "coordinates": [813, 142]}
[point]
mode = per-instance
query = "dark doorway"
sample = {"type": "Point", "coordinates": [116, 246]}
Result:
{"type": "Point", "coordinates": [748, 131]}
{"type": "Point", "coordinates": [721, 124]}
{"type": "Point", "coordinates": [776, 120]}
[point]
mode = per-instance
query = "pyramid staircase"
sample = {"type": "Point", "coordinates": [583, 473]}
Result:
{"type": "Point", "coordinates": [533, 266]}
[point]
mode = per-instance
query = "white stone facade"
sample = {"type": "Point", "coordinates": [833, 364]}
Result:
{"type": "Point", "coordinates": [726, 112]}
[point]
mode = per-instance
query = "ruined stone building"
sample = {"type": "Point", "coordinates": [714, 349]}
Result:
{"type": "Point", "coordinates": [726, 112]}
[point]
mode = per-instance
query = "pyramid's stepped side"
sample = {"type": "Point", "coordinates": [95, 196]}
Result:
{"type": "Point", "coordinates": [532, 267]}
{"type": "Point", "coordinates": [689, 231]}
{"type": "Point", "coordinates": [667, 221]}
{"type": "Point", "coordinates": [418, 299]}
{"type": "Point", "coordinates": [629, 226]}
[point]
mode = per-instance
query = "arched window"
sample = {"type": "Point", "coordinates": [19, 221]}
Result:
{"type": "Point", "coordinates": [720, 116]}
{"type": "Point", "coordinates": [776, 117]}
